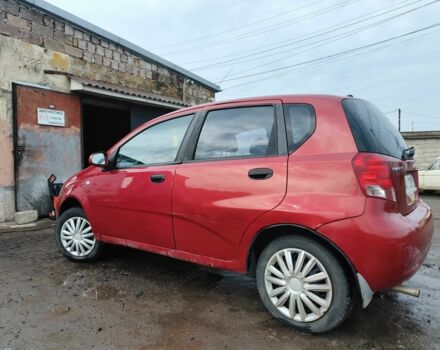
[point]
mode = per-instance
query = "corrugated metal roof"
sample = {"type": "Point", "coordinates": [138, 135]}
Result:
{"type": "Point", "coordinates": [80, 23]}
{"type": "Point", "coordinates": [129, 92]}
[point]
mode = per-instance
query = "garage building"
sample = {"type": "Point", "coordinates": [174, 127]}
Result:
{"type": "Point", "coordinates": [69, 88]}
{"type": "Point", "coordinates": [427, 145]}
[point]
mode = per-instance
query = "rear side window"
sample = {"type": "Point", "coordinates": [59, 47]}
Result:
{"type": "Point", "coordinates": [238, 132]}
{"type": "Point", "coordinates": [372, 131]}
{"type": "Point", "coordinates": [300, 124]}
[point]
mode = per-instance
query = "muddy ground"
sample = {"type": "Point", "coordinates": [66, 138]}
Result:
{"type": "Point", "coordinates": [133, 299]}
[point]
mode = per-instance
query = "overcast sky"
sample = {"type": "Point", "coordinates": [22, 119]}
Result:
{"type": "Point", "coordinates": [225, 41]}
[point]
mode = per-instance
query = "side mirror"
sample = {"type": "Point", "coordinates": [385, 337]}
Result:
{"type": "Point", "coordinates": [98, 159]}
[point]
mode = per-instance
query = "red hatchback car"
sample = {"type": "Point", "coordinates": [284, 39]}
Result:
{"type": "Point", "coordinates": [316, 196]}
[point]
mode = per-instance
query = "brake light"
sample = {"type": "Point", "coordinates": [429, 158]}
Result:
{"type": "Point", "coordinates": [373, 172]}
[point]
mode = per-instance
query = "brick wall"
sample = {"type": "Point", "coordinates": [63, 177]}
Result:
{"type": "Point", "coordinates": [96, 58]}
{"type": "Point", "coordinates": [427, 144]}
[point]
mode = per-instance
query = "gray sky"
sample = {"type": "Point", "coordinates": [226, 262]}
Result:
{"type": "Point", "coordinates": [401, 73]}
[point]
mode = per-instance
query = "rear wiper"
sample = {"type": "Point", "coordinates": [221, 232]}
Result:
{"type": "Point", "coordinates": [408, 153]}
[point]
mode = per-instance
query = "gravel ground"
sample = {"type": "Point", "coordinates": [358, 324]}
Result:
{"type": "Point", "coordinates": [132, 299]}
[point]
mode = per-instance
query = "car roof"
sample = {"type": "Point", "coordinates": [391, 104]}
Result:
{"type": "Point", "coordinates": [294, 98]}
{"type": "Point", "coordinates": [297, 98]}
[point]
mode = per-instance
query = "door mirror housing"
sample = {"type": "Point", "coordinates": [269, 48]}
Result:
{"type": "Point", "coordinates": [98, 159]}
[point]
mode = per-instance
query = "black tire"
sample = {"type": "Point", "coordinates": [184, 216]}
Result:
{"type": "Point", "coordinates": [341, 299]}
{"type": "Point", "coordinates": [93, 255]}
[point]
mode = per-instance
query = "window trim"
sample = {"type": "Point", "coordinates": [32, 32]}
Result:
{"type": "Point", "coordinates": [194, 140]}
{"type": "Point", "coordinates": [289, 126]}
{"type": "Point", "coordinates": [178, 158]}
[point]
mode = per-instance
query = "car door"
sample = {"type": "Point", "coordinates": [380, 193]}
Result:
{"type": "Point", "coordinates": [132, 201]}
{"type": "Point", "coordinates": [432, 176]}
{"type": "Point", "coordinates": [234, 172]}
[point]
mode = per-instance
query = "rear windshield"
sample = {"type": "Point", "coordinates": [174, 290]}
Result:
{"type": "Point", "coordinates": [372, 131]}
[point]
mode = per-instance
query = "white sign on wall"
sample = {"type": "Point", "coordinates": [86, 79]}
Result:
{"type": "Point", "coordinates": [50, 117]}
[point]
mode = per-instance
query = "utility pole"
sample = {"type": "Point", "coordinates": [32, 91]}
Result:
{"type": "Point", "coordinates": [399, 112]}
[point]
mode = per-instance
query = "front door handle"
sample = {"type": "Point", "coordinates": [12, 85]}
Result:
{"type": "Point", "coordinates": [260, 173]}
{"type": "Point", "coordinates": [157, 178]}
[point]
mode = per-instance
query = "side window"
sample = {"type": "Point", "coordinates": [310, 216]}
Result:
{"type": "Point", "coordinates": [238, 132]}
{"type": "Point", "coordinates": [300, 124]}
{"type": "Point", "coordinates": [157, 144]}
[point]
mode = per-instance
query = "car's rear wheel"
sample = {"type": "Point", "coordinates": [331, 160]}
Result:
{"type": "Point", "coordinates": [303, 285]}
{"type": "Point", "coordinates": [75, 237]}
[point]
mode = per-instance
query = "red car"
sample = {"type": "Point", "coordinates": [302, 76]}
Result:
{"type": "Point", "coordinates": [317, 196]}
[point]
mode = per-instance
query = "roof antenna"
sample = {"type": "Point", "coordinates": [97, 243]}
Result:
{"type": "Point", "coordinates": [350, 95]}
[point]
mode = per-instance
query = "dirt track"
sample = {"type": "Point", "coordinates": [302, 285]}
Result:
{"type": "Point", "coordinates": [133, 299]}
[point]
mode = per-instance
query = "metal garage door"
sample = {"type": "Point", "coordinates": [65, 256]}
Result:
{"type": "Point", "coordinates": [47, 139]}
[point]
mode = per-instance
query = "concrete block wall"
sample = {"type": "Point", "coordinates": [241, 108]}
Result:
{"type": "Point", "coordinates": [94, 57]}
{"type": "Point", "coordinates": [34, 44]}
{"type": "Point", "coordinates": [7, 194]}
{"type": "Point", "coordinates": [21, 62]}
{"type": "Point", "coordinates": [427, 145]}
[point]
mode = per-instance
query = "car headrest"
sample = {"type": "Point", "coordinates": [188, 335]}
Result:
{"type": "Point", "coordinates": [218, 146]}
{"type": "Point", "coordinates": [258, 147]}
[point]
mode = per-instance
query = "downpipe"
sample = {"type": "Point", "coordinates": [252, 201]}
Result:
{"type": "Point", "coordinates": [414, 292]}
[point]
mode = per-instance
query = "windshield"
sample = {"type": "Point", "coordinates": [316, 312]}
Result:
{"type": "Point", "coordinates": [372, 131]}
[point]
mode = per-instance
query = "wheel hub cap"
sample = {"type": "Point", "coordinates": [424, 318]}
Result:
{"type": "Point", "coordinates": [295, 285]}
{"type": "Point", "coordinates": [77, 236]}
{"type": "Point", "coordinates": [298, 285]}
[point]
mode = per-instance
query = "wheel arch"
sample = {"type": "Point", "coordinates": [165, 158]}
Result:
{"type": "Point", "coordinates": [68, 203]}
{"type": "Point", "coordinates": [272, 232]}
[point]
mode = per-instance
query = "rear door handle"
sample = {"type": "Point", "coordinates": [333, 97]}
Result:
{"type": "Point", "coordinates": [260, 173]}
{"type": "Point", "coordinates": [157, 178]}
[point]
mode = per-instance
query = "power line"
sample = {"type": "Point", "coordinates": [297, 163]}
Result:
{"type": "Point", "coordinates": [422, 115]}
{"type": "Point", "coordinates": [323, 63]}
{"type": "Point", "coordinates": [228, 72]}
{"type": "Point", "coordinates": [326, 41]}
{"type": "Point", "coordinates": [319, 32]}
{"type": "Point", "coordinates": [320, 64]}
{"type": "Point", "coordinates": [336, 54]}
{"type": "Point", "coordinates": [413, 122]}
{"type": "Point", "coordinates": [303, 38]}
{"type": "Point", "coordinates": [413, 113]}
{"type": "Point", "coordinates": [267, 28]}
{"type": "Point", "coordinates": [399, 115]}
{"type": "Point", "coordinates": [393, 111]}
{"type": "Point", "coordinates": [240, 27]}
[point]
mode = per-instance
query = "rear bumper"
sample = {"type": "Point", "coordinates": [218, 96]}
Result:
{"type": "Point", "coordinates": [386, 248]}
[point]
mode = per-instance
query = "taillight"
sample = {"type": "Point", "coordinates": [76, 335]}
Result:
{"type": "Point", "coordinates": [374, 175]}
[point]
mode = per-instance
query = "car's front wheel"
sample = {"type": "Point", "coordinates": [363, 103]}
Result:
{"type": "Point", "coordinates": [75, 237]}
{"type": "Point", "coordinates": [302, 284]}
